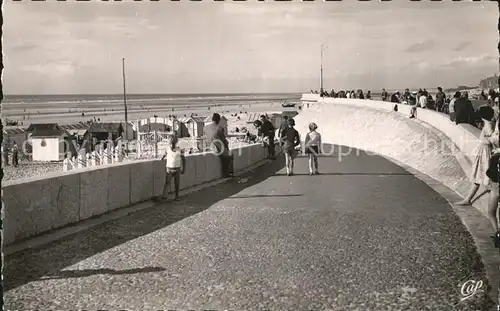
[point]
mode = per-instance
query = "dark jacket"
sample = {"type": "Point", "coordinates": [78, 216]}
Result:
{"type": "Point", "coordinates": [267, 129]}
{"type": "Point", "coordinates": [440, 98]}
{"type": "Point", "coordinates": [464, 111]}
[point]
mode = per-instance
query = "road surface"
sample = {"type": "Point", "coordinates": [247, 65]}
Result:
{"type": "Point", "coordinates": [364, 235]}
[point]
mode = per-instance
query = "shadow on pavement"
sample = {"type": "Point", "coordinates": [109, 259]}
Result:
{"type": "Point", "coordinates": [341, 174]}
{"type": "Point", "coordinates": [32, 264]}
{"type": "Point", "coordinates": [71, 274]}
{"type": "Point", "coordinates": [267, 196]}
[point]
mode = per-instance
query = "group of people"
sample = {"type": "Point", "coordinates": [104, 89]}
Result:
{"type": "Point", "coordinates": [216, 141]}
{"type": "Point", "coordinates": [15, 155]}
{"type": "Point", "coordinates": [344, 94]}
{"type": "Point", "coordinates": [289, 141]}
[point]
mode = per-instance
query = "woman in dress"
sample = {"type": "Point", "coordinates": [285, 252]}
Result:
{"type": "Point", "coordinates": [312, 148]}
{"type": "Point", "coordinates": [176, 162]}
{"type": "Point", "coordinates": [291, 139]}
{"type": "Point", "coordinates": [493, 173]}
{"type": "Point", "coordinates": [482, 161]}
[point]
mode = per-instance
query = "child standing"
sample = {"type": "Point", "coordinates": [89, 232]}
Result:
{"type": "Point", "coordinates": [312, 148]}
{"type": "Point", "coordinates": [291, 140]}
{"type": "Point", "coordinates": [176, 163]}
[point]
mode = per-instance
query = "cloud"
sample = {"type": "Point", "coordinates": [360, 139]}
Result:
{"type": "Point", "coordinates": [469, 60]}
{"type": "Point", "coordinates": [22, 47]}
{"type": "Point", "coordinates": [461, 46]}
{"type": "Point", "coordinates": [54, 69]}
{"type": "Point", "coordinates": [268, 34]}
{"type": "Point", "coordinates": [420, 47]}
{"type": "Point", "coordinates": [240, 8]}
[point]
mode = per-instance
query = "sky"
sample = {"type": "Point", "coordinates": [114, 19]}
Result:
{"type": "Point", "coordinates": [245, 47]}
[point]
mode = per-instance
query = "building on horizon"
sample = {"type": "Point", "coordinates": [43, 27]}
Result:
{"type": "Point", "coordinates": [489, 83]}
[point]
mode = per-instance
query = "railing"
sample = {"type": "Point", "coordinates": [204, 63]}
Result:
{"type": "Point", "coordinates": [97, 157]}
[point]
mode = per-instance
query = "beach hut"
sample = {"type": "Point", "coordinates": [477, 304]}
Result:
{"type": "Point", "coordinates": [105, 131]}
{"type": "Point", "coordinates": [11, 135]}
{"type": "Point", "coordinates": [49, 143]}
{"type": "Point", "coordinates": [41, 127]}
{"type": "Point", "coordinates": [79, 130]}
{"type": "Point", "coordinates": [191, 127]}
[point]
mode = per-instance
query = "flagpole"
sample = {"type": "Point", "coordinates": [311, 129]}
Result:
{"type": "Point", "coordinates": [125, 105]}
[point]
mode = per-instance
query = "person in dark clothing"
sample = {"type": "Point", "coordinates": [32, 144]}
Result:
{"type": "Point", "coordinates": [464, 111]}
{"type": "Point", "coordinates": [483, 95]}
{"type": "Point", "coordinates": [267, 132]}
{"type": "Point", "coordinates": [384, 95]}
{"type": "Point", "coordinates": [406, 96]}
{"type": "Point", "coordinates": [440, 100]}
{"type": "Point", "coordinates": [395, 97]}
{"type": "Point", "coordinates": [369, 95]}
{"type": "Point", "coordinates": [291, 141]}
{"type": "Point", "coordinates": [361, 95]}
{"type": "Point", "coordinates": [222, 147]}
{"type": "Point", "coordinates": [15, 155]}
{"type": "Point", "coordinates": [283, 126]}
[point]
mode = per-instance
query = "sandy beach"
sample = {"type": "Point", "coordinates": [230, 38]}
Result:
{"type": "Point", "coordinates": [237, 115]}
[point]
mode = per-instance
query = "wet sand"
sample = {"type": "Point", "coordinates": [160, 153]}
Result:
{"type": "Point", "coordinates": [110, 113]}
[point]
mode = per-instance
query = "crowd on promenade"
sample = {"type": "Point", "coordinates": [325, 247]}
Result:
{"type": "Point", "coordinates": [486, 166]}
{"type": "Point", "coordinates": [458, 105]}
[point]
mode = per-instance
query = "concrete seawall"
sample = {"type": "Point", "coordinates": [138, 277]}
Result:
{"type": "Point", "coordinates": [38, 205]}
{"type": "Point", "coordinates": [431, 143]}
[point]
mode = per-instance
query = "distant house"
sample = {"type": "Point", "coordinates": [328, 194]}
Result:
{"type": "Point", "coordinates": [105, 131]}
{"type": "Point", "coordinates": [223, 123]}
{"type": "Point", "coordinates": [49, 143]}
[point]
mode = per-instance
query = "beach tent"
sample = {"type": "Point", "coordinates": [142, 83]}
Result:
{"type": "Point", "coordinates": [49, 144]}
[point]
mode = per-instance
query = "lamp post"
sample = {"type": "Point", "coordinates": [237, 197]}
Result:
{"type": "Point", "coordinates": [498, 44]}
{"type": "Point", "coordinates": [323, 47]}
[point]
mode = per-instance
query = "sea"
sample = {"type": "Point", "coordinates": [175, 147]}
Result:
{"type": "Point", "coordinates": [89, 100]}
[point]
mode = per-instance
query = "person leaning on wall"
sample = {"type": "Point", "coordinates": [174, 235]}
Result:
{"type": "Point", "coordinates": [220, 145]}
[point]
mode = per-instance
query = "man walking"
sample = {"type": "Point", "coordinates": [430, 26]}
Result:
{"type": "Point", "coordinates": [267, 132]}
{"type": "Point", "coordinates": [284, 125]}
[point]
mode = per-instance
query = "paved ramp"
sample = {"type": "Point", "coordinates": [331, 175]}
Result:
{"type": "Point", "coordinates": [364, 235]}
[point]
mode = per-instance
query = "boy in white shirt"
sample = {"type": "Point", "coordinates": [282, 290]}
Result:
{"type": "Point", "coordinates": [176, 163]}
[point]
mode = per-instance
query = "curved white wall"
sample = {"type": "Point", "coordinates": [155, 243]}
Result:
{"type": "Point", "coordinates": [431, 144]}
